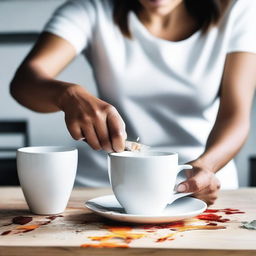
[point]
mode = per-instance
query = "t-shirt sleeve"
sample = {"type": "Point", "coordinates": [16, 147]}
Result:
{"type": "Point", "coordinates": [73, 21]}
{"type": "Point", "coordinates": [243, 31]}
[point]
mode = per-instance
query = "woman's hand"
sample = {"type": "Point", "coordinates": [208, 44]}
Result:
{"type": "Point", "coordinates": [92, 120]}
{"type": "Point", "coordinates": [202, 182]}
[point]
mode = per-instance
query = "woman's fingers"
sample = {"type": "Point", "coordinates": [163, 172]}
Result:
{"type": "Point", "coordinates": [117, 131]}
{"type": "Point", "coordinates": [196, 183]}
{"type": "Point", "coordinates": [210, 193]}
{"type": "Point", "coordinates": [101, 130]}
{"type": "Point", "coordinates": [74, 130]}
{"type": "Point", "coordinates": [95, 121]}
{"type": "Point", "coordinates": [96, 135]}
{"type": "Point", "coordinates": [91, 136]}
{"type": "Point", "coordinates": [202, 182]}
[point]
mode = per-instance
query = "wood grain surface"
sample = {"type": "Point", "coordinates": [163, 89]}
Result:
{"type": "Point", "coordinates": [77, 231]}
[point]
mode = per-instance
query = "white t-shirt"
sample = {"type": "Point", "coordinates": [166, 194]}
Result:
{"type": "Point", "coordinates": [166, 92]}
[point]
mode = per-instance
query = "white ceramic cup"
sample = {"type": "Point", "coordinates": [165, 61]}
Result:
{"type": "Point", "coordinates": [47, 176]}
{"type": "Point", "coordinates": [144, 182]}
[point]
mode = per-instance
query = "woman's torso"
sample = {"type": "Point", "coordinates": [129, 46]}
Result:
{"type": "Point", "coordinates": [166, 92]}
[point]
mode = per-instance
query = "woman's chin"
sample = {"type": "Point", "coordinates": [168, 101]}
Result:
{"type": "Point", "coordinates": [160, 7]}
{"type": "Point", "coordinates": [155, 3]}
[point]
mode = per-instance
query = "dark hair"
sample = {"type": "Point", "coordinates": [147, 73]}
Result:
{"type": "Point", "coordinates": [206, 12]}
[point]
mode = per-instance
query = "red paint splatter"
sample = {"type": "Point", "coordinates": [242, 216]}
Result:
{"type": "Point", "coordinates": [28, 230]}
{"type": "Point", "coordinates": [238, 212]}
{"type": "Point", "coordinates": [166, 225]}
{"type": "Point", "coordinates": [54, 217]}
{"type": "Point", "coordinates": [45, 223]}
{"type": "Point", "coordinates": [212, 224]}
{"type": "Point", "coordinates": [230, 209]}
{"type": "Point", "coordinates": [8, 224]}
{"type": "Point", "coordinates": [227, 211]}
{"type": "Point", "coordinates": [21, 220]}
{"type": "Point", "coordinates": [6, 233]}
{"type": "Point", "coordinates": [211, 211]}
{"type": "Point", "coordinates": [212, 217]}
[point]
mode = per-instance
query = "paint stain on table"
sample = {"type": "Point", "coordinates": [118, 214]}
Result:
{"type": "Point", "coordinates": [121, 236]}
{"type": "Point", "coordinates": [6, 232]}
{"type": "Point", "coordinates": [110, 234]}
{"type": "Point", "coordinates": [226, 211]}
{"type": "Point", "coordinates": [21, 220]}
{"type": "Point", "coordinates": [105, 245]}
{"type": "Point", "coordinates": [212, 217]}
{"type": "Point", "coordinates": [23, 228]}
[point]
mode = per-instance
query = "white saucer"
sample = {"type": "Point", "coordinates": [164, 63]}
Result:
{"type": "Point", "coordinates": [182, 208]}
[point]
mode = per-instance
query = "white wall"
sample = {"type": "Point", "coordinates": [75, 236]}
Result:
{"type": "Point", "coordinates": [49, 129]}
{"type": "Point", "coordinates": [30, 16]}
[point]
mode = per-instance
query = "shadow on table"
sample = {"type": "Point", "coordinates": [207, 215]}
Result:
{"type": "Point", "coordinates": [4, 213]}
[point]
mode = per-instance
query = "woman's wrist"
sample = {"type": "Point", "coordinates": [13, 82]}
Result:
{"type": "Point", "coordinates": [201, 163]}
{"type": "Point", "coordinates": [66, 94]}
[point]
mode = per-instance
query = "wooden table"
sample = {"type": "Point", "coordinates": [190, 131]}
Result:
{"type": "Point", "coordinates": [78, 230]}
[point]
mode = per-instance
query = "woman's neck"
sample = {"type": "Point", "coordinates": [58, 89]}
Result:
{"type": "Point", "coordinates": [171, 23]}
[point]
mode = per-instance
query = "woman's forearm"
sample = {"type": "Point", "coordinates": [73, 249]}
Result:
{"type": "Point", "coordinates": [225, 140]}
{"type": "Point", "coordinates": [37, 91]}
{"type": "Point", "coordinates": [87, 117]}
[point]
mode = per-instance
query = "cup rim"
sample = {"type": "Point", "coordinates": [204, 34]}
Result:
{"type": "Point", "coordinates": [143, 154]}
{"type": "Point", "coordinates": [46, 149]}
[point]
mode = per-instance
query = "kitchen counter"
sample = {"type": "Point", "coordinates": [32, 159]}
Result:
{"type": "Point", "coordinates": [78, 231]}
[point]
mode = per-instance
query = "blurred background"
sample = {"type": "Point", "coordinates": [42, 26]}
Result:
{"type": "Point", "coordinates": [21, 21]}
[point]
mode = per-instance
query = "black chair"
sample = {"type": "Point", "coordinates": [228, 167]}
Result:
{"type": "Point", "coordinates": [8, 170]}
{"type": "Point", "coordinates": [252, 177]}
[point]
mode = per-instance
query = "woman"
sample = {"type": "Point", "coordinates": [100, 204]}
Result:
{"type": "Point", "coordinates": [180, 74]}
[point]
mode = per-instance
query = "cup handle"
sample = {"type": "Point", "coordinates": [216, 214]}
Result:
{"type": "Point", "coordinates": [178, 194]}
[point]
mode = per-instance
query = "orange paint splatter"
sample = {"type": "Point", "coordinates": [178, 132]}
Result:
{"type": "Point", "coordinates": [125, 234]}
{"type": "Point", "coordinates": [127, 237]}
{"type": "Point", "coordinates": [168, 237]}
{"type": "Point", "coordinates": [118, 229]}
{"type": "Point", "coordinates": [28, 227]}
{"type": "Point", "coordinates": [199, 227]}
{"type": "Point", "coordinates": [122, 233]}
{"type": "Point", "coordinates": [105, 245]}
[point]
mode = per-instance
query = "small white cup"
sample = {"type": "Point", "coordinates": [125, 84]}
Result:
{"type": "Point", "coordinates": [144, 182]}
{"type": "Point", "coordinates": [47, 176]}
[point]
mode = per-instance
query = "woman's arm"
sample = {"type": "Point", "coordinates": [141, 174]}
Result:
{"type": "Point", "coordinates": [231, 127]}
{"type": "Point", "coordinates": [233, 121]}
{"type": "Point", "coordinates": [87, 117]}
{"type": "Point", "coordinates": [33, 84]}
